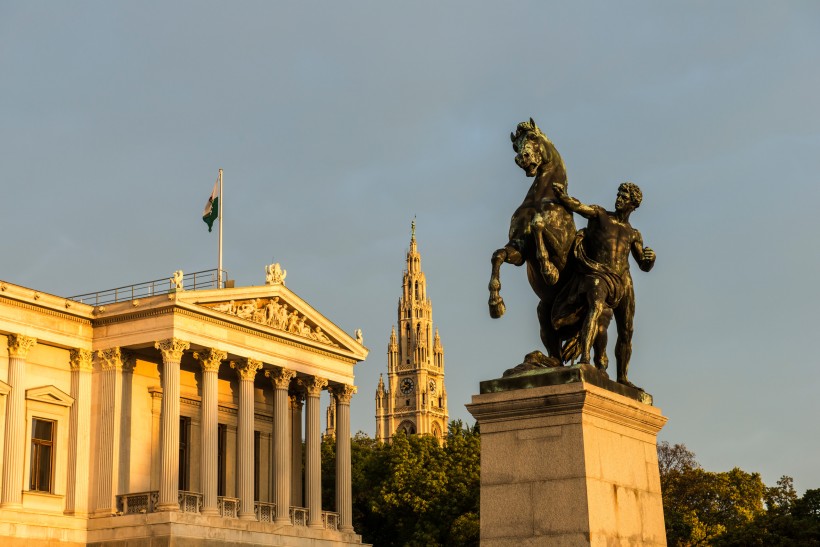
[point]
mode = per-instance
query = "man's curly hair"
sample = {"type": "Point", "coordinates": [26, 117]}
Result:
{"type": "Point", "coordinates": [634, 193]}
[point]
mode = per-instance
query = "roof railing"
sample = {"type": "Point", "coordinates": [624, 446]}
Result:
{"type": "Point", "coordinates": [206, 279]}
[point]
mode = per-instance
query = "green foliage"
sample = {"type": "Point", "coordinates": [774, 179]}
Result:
{"type": "Point", "coordinates": [412, 491]}
{"type": "Point", "coordinates": [727, 509]}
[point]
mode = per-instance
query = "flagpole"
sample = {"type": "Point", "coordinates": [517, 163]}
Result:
{"type": "Point", "coordinates": [221, 208]}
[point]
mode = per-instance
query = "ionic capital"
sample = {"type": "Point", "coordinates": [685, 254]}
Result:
{"type": "Point", "coordinates": [313, 385]}
{"type": "Point", "coordinates": [247, 368]}
{"type": "Point", "coordinates": [171, 349]}
{"type": "Point", "coordinates": [20, 345]}
{"type": "Point", "coordinates": [210, 359]}
{"type": "Point", "coordinates": [110, 358]}
{"type": "Point", "coordinates": [343, 392]}
{"type": "Point", "coordinates": [81, 359]}
{"type": "Point", "coordinates": [280, 377]}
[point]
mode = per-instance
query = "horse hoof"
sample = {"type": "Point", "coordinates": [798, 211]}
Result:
{"type": "Point", "coordinates": [497, 308]}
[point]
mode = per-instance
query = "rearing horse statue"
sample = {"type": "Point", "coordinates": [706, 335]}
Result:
{"type": "Point", "coordinates": [542, 232]}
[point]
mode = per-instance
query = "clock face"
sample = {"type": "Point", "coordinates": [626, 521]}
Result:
{"type": "Point", "coordinates": [432, 386]}
{"type": "Point", "coordinates": [406, 386]}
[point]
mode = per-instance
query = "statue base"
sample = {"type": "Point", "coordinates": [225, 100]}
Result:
{"type": "Point", "coordinates": [568, 457]}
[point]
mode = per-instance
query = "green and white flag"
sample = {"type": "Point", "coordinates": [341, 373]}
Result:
{"type": "Point", "coordinates": [211, 212]}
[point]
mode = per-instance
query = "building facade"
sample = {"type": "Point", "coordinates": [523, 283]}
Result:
{"type": "Point", "coordinates": [181, 414]}
{"type": "Point", "coordinates": [414, 400]}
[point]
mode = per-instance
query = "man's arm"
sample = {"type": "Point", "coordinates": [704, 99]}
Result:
{"type": "Point", "coordinates": [644, 256]}
{"type": "Point", "coordinates": [586, 211]}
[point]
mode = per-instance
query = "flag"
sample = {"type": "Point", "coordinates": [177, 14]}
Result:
{"type": "Point", "coordinates": [211, 211]}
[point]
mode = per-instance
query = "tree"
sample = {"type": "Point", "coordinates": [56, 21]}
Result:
{"type": "Point", "coordinates": [727, 509]}
{"type": "Point", "coordinates": [412, 491]}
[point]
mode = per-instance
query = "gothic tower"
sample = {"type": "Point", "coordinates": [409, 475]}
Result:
{"type": "Point", "coordinates": [414, 399]}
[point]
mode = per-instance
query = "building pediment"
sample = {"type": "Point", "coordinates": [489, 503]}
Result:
{"type": "Point", "coordinates": [277, 308]}
{"type": "Point", "coordinates": [49, 394]}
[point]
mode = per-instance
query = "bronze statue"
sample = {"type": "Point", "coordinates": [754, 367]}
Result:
{"type": "Point", "coordinates": [542, 231]}
{"type": "Point", "coordinates": [543, 236]}
{"type": "Point", "coordinates": [602, 279]}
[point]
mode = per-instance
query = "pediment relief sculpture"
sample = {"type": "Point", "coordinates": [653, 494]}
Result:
{"type": "Point", "coordinates": [274, 313]}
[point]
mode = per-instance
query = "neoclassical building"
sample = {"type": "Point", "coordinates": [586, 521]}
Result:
{"type": "Point", "coordinates": [414, 399]}
{"type": "Point", "coordinates": [168, 412]}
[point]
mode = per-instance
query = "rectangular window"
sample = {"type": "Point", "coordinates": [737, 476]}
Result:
{"type": "Point", "coordinates": [184, 452]}
{"type": "Point", "coordinates": [221, 444]}
{"type": "Point", "coordinates": [42, 454]}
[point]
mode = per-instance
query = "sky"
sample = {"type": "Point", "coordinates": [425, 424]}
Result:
{"type": "Point", "coordinates": [337, 124]}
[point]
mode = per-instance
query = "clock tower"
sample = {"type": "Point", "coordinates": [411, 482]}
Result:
{"type": "Point", "coordinates": [414, 399]}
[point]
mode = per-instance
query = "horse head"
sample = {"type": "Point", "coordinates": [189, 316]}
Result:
{"type": "Point", "coordinates": [534, 151]}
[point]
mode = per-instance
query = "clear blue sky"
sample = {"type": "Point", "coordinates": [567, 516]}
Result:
{"type": "Point", "coordinates": [336, 123]}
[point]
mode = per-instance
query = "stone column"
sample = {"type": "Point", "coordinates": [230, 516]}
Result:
{"type": "Point", "coordinates": [79, 433]}
{"type": "Point", "coordinates": [296, 400]}
{"type": "Point", "coordinates": [171, 350]}
{"type": "Point", "coordinates": [247, 372]}
{"type": "Point", "coordinates": [108, 431]}
{"type": "Point", "coordinates": [15, 432]}
{"type": "Point", "coordinates": [344, 493]}
{"type": "Point", "coordinates": [210, 360]}
{"type": "Point", "coordinates": [281, 377]}
{"type": "Point", "coordinates": [313, 450]}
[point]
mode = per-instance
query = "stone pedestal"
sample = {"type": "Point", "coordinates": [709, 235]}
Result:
{"type": "Point", "coordinates": [568, 458]}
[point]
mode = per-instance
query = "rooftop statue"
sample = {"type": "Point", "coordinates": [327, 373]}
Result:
{"type": "Point", "coordinates": [574, 309]}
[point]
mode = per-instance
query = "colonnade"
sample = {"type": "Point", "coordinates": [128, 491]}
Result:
{"type": "Point", "coordinates": [289, 394]}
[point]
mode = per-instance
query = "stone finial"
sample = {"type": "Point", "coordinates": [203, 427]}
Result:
{"type": "Point", "coordinates": [246, 368]}
{"type": "Point", "coordinates": [275, 275]}
{"type": "Point", "coordinates": [359, 337]}
{"type": "Point", "coordinates": [280, 377]}
{"type": "Point", "coordinates": [313, 385]}
{"type": "Point", "coordinates": [343, 392]}
{"type": "Point", "coordinates": [172, 349]}
{"type": "Point", "coordinates": [210, 359]}
{"type": "Point", "coordinates": [81, 359]}
{"type": "Point", "coordinates": [20, 345]}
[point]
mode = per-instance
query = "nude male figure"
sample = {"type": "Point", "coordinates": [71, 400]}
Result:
{"type": "Point", "coordinates": [603, 278]}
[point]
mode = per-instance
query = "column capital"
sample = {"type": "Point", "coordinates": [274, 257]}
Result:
{"type": "Point", "coordinates": [110, 358]}
{"type": "Point", "coordinates": [246, 368]}
{"type": "Point", "coordinates": [81, 359]}
{"type": "Point", "coordinates": [20, 345]}
{"type": "Point", "coordinates": [210, 359]}
{"type": "Point", "coordinates": [313, 385]}
{"type": "Point", "coordinates": [280, 377]}
{"type": "Point", "coordinates": [171, 349]}
{"type": "Point", "coordinates": [296, 399]}
{"type": "Point", "coordinates": [129, 360]}
{"type": "Point", "coordinates": [343, 392]}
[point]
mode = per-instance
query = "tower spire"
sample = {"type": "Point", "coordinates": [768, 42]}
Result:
{"type": "Point", "coordinates": [414, 398]}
